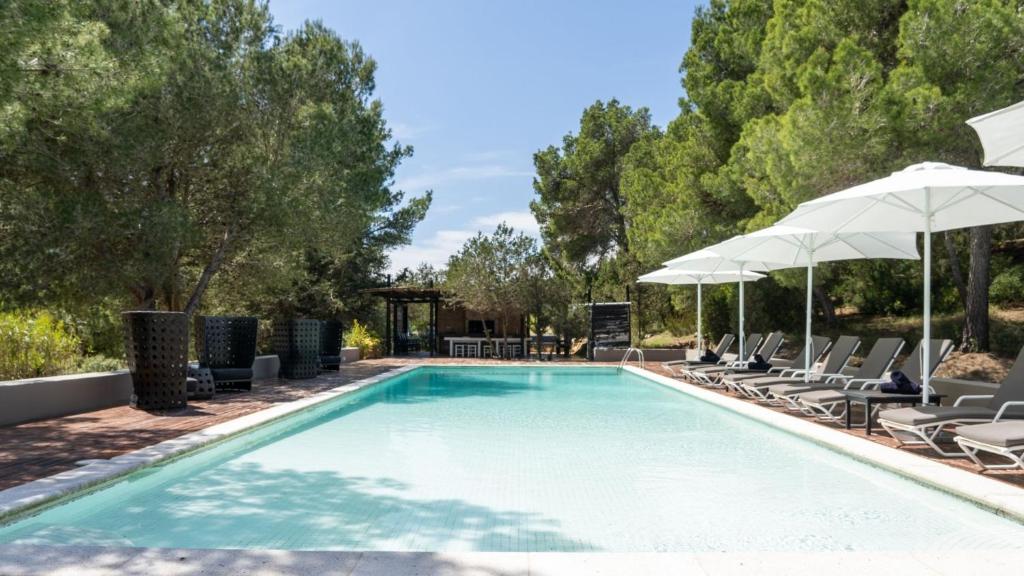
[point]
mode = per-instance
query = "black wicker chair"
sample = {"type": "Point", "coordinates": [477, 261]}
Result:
{"type": "Point", "coordinates": [227, 346]}
{"type": "Point", "coordinates": [297, 344]}
{"type": "Point", "coordinates": [330, 345]}
{"type": "Point", "coordinates": [156, 346]}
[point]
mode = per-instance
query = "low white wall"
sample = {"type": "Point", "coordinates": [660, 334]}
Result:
{"type": "Point", "coordinates": [650, 354]}
{"type": "Point", "coordinates": [38, 398]}
{"type": "Point", "coordinates": [265, 367]}
{"type": "Point", "coordinates": [25, 400]}
{"type": "Point", "coordinates": [349, 354]}
{"type": "Point", "coordinates": [954, 388]}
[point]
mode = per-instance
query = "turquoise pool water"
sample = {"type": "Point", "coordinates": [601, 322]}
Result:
{"type": "Point", "coordinates": [519, 459]}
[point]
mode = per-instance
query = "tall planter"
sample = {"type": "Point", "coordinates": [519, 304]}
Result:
{"type": "Point", "coordinates": [156, 347]}
{"type": "Point", "coordinates": [330, 344]}
{"type": "Point", "coordinates": [297, 345]}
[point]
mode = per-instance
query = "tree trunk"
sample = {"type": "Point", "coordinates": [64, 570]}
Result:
{"type": "Point", "coordinates": [538, 335]}
{"type": "Point", "coordinates": [975, 332]}
{"type": "Point", "coordinates": [209, 270]}
{"type": "Point", "coordinates": [145, 297]}
{"type": "Point", "coordinates": [954, 267]}
{"type": "Point", "coordinates": [504, 335]}
{"type": "Point", "coordinates": [827, 308]}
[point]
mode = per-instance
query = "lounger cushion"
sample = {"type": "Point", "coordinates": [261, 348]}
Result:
{"type": "Point", "coordinates": [1004, 434]}
{"type": "Point", "coordinates": [780, 390]}
{"type": "Point", "coordinates": [231, 374]}
{"type": "Point", "coordinates": [746, 376]}
{"type": "Point", "coordinates": [822, 396]}
{"type": "Point", "coordinates": [919, 415]}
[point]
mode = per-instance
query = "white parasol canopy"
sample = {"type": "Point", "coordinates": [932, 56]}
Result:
{"type": "Point", "coordinates": [677, 276]}
{"type": "Point", "coordinates": [1002, 135]}
{"type": "Point", "coordinates": [708, 260]}
{"type": "Point", "coordinates": [798, 247]}
{"type": "Point", "coordinates": [927, 197]}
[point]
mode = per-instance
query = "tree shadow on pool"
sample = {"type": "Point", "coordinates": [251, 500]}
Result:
{"type": "Point", "coordinates": [245, 506]}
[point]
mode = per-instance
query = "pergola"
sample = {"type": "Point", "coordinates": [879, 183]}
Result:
{"type": "Point", "coordinates": [399, 297]}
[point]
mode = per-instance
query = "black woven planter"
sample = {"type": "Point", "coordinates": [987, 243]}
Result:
{"type": "Point", "coordinates": [227, 346]}
{"type": "Point", "coordinates": [156, 346]}
{"type": "Point", "coordinates": [297, 345]}
{"type": "Point", "coordinates": [330, 345]}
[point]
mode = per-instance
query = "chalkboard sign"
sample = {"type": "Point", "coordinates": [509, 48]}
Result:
{"type": "Point", "coordinates": [609, 326]}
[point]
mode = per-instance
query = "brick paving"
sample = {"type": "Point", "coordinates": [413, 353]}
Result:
{"type": "Point", "coordinates": [35, 450]}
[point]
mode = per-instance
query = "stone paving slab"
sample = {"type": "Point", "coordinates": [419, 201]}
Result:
{"type": "Point", "coordinates": [20, 560]}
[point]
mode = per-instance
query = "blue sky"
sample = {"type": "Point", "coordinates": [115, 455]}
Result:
{"type": "Point", "coordinates": [476, 87]}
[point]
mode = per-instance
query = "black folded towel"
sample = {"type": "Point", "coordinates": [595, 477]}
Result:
{"type": "Point", "coordinates": [900, 383]}
{"type": "Point", "coordinates": [709, 356]}
{"type": "Point", "coordinates": [759, 364]}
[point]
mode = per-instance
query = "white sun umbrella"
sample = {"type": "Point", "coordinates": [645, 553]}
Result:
{"type": "Point", "coordinates": [708, 260]}
{"type": "Point", "coordinates": [677, 276]}
{"type": "Point", "coordinates": [928, 197]}
{"type": "Point", "coordinates": [799, 247]}
{"type": "Point", "coordinates": [1002, 135]}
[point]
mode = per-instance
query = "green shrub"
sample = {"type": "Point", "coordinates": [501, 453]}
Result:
{"type": "Point", "coordinates": [361, 337]}
{"type": "Point", "coordinates": [1008, 287]}
{"type": "Point", "coordinates": [100, 363]}
{"type": "Point", "coordinates": [34, 344]}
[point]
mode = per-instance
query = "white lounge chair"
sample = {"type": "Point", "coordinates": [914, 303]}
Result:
{"type": "Point", "coordinates": [711, 375]}
{"type": "Point", "coordinates": [736, 379]}
{"type": "Point", "coordinates": [1001, 437]}
{"type": "Point", "coordinates": [693, 373]}
{"type": "Point", "coordinates": [875, 365]}
{"type": "Point", "coordinates": [838, 356]}
{"type": "Point", "coordinates": [924, 424]}
{"type": "Point", "coordinates": [675, 367]}
{"type": "Point", "coordinates": [823, 403]}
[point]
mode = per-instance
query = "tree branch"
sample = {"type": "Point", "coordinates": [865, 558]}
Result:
{"type": "Point", "coordinates": [209, 270]}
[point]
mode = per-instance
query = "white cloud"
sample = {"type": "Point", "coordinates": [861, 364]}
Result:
{"type": "Point", "coordinates": [403, 131]}
{"type": "Point", "coordinates": [520, 221]}
{"type": "Point", "coordinates": [437, 178]}
{"type": "Point", "coordinates": [436, 249]}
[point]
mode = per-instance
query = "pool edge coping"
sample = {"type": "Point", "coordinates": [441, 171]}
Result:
{"type": "Point", "coordinates": [989, 493]}
{"type": "Point", "coordinates": [36, 494]}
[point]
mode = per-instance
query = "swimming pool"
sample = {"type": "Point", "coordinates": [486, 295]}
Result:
{"type": "Point", "coordinates": [519, 459]}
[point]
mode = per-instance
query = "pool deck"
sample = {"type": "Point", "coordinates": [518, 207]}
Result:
{"type": "Point", "coordinates": [40, 450]}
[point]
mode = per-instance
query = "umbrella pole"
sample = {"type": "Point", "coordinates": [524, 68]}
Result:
{"type": "Point", "coordinates": [743, 337]}
{"type": "Point", "coordinates": [926, 345]}
{"type": "Point", "coordinates": [700, 339]}
{"type": "Point", "coordinates": [809, 338]}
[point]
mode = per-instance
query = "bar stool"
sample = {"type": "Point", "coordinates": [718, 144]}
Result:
{"type": "Point", "coordinates": [459, 351]}
{"type": "Point", "coordinates": [485, 350]}
{"type": "Point", "coordinates": [515, 350]}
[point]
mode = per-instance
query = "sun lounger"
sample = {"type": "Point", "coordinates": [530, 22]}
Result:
{"type": "Point", "coordinates": [709, 374]}
{"type": "Point", "coordinates": [1001, 437]}
{"type": "Point", "coordinates": [875, 365]}
{"type": "Point", "coordinates": [735, 379]}
{"type": "Point", "coordinates": [721, 351]}
{"type": "Point", "coordinates": [691, 371]}
{"type": "Point", "coordinates": [924, 424]}
{"type": "Point", "coordinates": [838, 355]}
{"type": "Point", "coordinates": [822, 403]}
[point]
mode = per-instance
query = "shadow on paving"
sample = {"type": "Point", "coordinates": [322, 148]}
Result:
{"type": "Point", "coordinates": [34, 450]}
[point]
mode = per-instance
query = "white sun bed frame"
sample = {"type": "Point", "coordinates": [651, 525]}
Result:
{"type": "Point", "coordinates": [1013, 453]}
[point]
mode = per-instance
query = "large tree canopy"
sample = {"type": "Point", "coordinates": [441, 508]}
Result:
{"type": "Point", "coordinates": [150, 148]}
{"type": "Point", "coordinates": [579, 202]}
{"type": "Point", "coordinates": [786, 101]}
